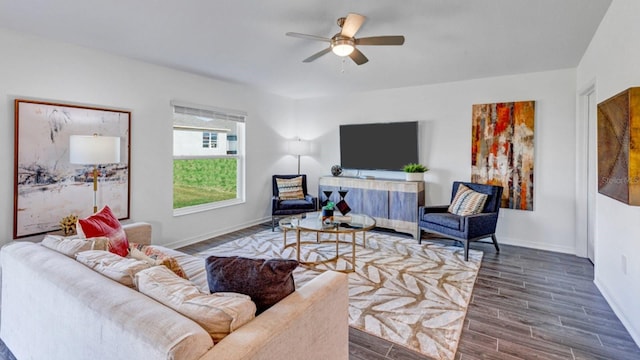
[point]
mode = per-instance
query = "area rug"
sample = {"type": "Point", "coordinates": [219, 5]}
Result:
{"type": "Point", "coordinates": [415, 295]}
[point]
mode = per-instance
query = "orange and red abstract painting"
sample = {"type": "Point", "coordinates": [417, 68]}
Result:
{"type": "Point", "coordinates": [502, 150]}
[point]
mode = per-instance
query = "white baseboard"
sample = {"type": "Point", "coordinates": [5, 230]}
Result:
{"type": "Point", "coordinates": [635, 334]}
{"type": "Point", "coordinates": [536, 245]}
{"type": "Point", "coordinates": [216, 232]}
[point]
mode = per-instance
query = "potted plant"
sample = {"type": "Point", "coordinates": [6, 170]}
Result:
{"type": "Point", "coordinates": [327, 212]}
{"type": "Point", "coordinates": [415, 171]}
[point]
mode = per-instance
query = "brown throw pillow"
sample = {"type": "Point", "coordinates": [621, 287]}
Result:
{"type": "Point", "coordinates": [290, 189]}
{"type": "Point", "coordinates": [265, 281]}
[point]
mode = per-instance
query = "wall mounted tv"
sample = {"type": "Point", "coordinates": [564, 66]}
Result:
{"type": "Point", "coordinates": [380, 146]}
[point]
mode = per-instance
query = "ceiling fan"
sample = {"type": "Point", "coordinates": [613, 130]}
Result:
{"type": "Point", "coordinates": [344, 43]}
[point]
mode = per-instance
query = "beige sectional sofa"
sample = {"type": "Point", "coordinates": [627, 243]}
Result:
{"type": "Point", "coordinates": [54, 307]}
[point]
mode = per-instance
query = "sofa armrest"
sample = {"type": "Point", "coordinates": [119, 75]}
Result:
{"type": "Point", "coordinates": [138, 232]}
{"type": "Point", "coordinates": [319, 310]}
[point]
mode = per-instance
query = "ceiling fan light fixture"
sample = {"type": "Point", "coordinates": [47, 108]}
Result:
{"type": "Point", "coordinates": [342, 47]}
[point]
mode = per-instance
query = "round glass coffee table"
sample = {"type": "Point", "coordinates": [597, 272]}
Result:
{"type": "Point", "coordinates": [312, 222]}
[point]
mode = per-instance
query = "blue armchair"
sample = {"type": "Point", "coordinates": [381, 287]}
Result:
{"type": "Point", "coordinates": [437, 220]}
{"type": "Point", "coordinates": [281, 207]}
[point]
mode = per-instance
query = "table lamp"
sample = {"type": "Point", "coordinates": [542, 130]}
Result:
{"type": "Point", "coordinates": [94, 150]}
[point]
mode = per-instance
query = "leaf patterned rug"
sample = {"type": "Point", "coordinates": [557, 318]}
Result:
{"type": "Point", "coordinates": [415, 295]}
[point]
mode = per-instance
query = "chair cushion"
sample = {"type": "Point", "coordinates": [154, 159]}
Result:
{"type": "Point", "coordinates": [295, 204]}
{"type": "Point", "coordinates": [265, 281]}
{"type": "Point", "coordinates": [104, 223]}
{"type": "Point", "coordinates": [467, 202]}
{"type": "Point", "coordinates": [448, 220]}
{"type": "Point", "coordinates": [290, 189]}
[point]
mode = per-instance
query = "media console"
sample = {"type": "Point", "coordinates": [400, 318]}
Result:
{"type": "Point", "coordinates": [392, 203]}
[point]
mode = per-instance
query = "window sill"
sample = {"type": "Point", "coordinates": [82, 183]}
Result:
{"type": "Point", "coordinates": [205, 207]}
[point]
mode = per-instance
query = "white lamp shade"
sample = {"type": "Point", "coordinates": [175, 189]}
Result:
{"type": "Point", "coordinates": [299, 147]}
{"type": "Point", "coordinates": [94, 149]}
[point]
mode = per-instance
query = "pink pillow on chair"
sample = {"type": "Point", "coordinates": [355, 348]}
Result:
{"type": "Point", "coordinates": [104, 223]}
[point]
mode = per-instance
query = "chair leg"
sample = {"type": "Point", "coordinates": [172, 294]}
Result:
{"type": "Point", "coordinates": [419, 235]}
{"type": "Point", "coordinates": [495, 242]}
{"type": "Point", "coordinates": [466, 250]}
{"type": "Point", "coordinates": [273, 223]}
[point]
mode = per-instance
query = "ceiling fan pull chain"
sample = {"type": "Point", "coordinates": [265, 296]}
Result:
{"type": "Point", "coordinates": [342, 70]}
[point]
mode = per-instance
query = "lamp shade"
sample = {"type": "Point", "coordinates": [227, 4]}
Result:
{"type": "Point", "coordinates": [94, 149]}
{"type": "Point", "coordinates": [299, 147]}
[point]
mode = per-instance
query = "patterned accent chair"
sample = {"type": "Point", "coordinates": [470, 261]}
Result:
{"type": "Point", "coordinates": [437, 220]}
{"type": "Point", "coordinates": [281, 208]}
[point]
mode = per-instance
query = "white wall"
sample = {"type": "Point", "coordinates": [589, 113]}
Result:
{"type": "Point", "coordinates": [444, 115]}
{"type": "Point", "coordinates": [612, 61]}
{"type": "Point", "coordinates": [46, 70]}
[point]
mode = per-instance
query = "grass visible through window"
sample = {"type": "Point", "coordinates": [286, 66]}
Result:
{"type": "Point", "coordinates": [202, 181]}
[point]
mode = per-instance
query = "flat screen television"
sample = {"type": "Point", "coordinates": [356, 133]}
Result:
{"type": "Point", "coordinates": [380, 146]}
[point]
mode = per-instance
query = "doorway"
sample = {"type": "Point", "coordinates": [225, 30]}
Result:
{"type": "Point", "coordinates": [587, 173]}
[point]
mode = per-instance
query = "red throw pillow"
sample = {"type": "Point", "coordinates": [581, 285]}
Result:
{"type": "Point", "coordinates": [104, 223]}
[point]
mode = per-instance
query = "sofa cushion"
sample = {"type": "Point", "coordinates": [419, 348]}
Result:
{"type": "Point", "coordinates": [104, 223]}
{"type": "Point", "coordinates": [265, 281]}
{"type": "Point", "coordinates": [467, 201]}
{"type": "Point", "coordinates": [72, 245]}
{"type": "Point", "coordinates": [290, 189]}
{"type": "Point", "coordinates": [155, 257]}
{"type": "Point", "coordinates": [118, 268]}
{"type": "Point", "coordinates": [219, 314]}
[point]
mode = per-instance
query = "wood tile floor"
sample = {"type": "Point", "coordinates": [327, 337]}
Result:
{"type": "Point", "coordinates": [526, 304]}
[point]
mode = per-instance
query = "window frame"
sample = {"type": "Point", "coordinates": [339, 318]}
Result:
{"type": "Point", "coordinates": [215, 113]}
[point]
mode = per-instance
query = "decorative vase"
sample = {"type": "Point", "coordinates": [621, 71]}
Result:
{"type": "Point", "coordinates": [418, 176]}
{"type": "Point", "coordinates": [327, 216]}
{"type": "Point", "coordinates": [327, 197]}
{"type": "Point", "coordinates": [342, 205]}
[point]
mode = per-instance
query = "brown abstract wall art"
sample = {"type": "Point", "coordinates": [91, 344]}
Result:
{"type": "Point", "coordinates": [619, 147]}
{"type": "Point", "coordinates": [502, 150]}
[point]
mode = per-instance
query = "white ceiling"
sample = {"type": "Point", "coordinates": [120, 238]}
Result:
{"type": "Point", "coordinates": [244, 41]}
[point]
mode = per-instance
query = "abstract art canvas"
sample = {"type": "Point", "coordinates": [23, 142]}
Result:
{"type": "Point", "coordinates": [619, 147]}
{"type": "Point", "coordinates": [502, 150]}
{"type": "Point", "coordinates": [47, 187]}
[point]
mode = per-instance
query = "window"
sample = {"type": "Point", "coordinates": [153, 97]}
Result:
{"type": "Point", "coordinates": [209, 140]}
{"type": "Point", "coordinates": [208, 158]}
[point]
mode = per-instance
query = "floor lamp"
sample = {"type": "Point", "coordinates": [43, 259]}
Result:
{"type": "Point", "coordinates": [299, 147]}
{"type": "Point", "coordinates": [94, 150]}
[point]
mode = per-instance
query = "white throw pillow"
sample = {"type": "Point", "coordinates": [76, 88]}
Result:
{"type": "Point", "coordinates": [467, 202]}
{"type": "Point", "coordinates": [113, 266]}
{"type": "Point", "coordinates": [219, 314]}
{"type": "Point", "coordinates": [72, 245]}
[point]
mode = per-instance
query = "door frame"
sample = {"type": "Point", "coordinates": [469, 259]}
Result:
{"type": "Point", "coordinates": [585, 197]}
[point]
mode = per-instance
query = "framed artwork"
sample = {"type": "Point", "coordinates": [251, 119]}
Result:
{"type": "Point", "coordinates": [618, 147]}
{"type": "Point", "coordinates": [502, 150]}
{"type": "Point", "coordinates": [47, 187]}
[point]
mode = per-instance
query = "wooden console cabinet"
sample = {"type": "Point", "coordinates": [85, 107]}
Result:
{"type": "Point", "coordinates": [392, 203]}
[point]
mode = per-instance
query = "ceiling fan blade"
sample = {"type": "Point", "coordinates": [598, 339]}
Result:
{"type": "Point", "coordinates": [381, 40]}
{"type": "Point", "coordinates": [310, 37]}
{"type": "Point", "coordinates": [352, 24]}
{"type": "Point", "coordinates": [358, 57]}
{"type": "Point", "coordinates": [317, 55]}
